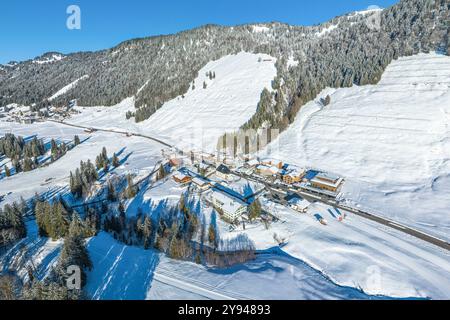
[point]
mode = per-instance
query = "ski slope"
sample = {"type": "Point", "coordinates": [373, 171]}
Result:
{"type": "Point", "coordinates": [391, 141]}
{"type": "Point", "coordinates": [67, 88]}
{"type": "Point", "coordinates": [198, 119]}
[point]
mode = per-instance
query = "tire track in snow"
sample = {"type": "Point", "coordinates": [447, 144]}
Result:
{"type": "Point", "coordinates": [108, 277]}
{"type": "Point", "coordinates": [196, 286]}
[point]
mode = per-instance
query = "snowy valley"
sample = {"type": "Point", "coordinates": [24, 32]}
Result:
{"type": "Point", "coordinates": [371, 121]}
{"type": "Point", "coordinates": [118, 167]}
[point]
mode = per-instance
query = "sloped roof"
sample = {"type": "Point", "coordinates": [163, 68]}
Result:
{"type": "Point", "coordinates": [223, 169]}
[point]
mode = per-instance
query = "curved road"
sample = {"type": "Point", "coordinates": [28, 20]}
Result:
{"type": "Point", "coordinates": [113, 131]}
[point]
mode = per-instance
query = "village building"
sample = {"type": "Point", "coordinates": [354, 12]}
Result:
{"type": "Point", "coordinates": [273, 163]}
{"type": "Point", "coordinates": [265, 170]}
{"type": "Point", "coordinates": [231, 207]}
{"type": "Point", "coordinates": [201, 184]}
{"type": "Point", "coordinates": [208, 157]}
{"type": "Point", "coordinates": [175, 162]}
{"type": "Point", "coordinates": [252, 163]}
{"type": "Point", "coordinates": [203, 166]}
{"type": "Point", "coordinates": [293, 176]}
{"type": "Point", "coordinates": [223, 172]}
{"type": "Point", "coordinates": [298, 203]}
{"type": "Point", "coordinates": [181, 178]}
{"type": "Point", "coordinates": [327, 181]}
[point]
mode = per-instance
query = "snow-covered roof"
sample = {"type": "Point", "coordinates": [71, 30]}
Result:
{"type": "Point", "coordinates": [274, 162]}
{"type": "Point", "coordinates": [327, 176]}
{"type": "Point", "coordinates": [203, 165]}
{"type": "Point", "coordinates": [229, 203]}
{"type": "Point", "coordinates": [294, 172]}
{"type": "Point", "coordinates": [333, 184]}
{"type": "Point", "coordinates": [199, 181]}
{"type": "Point", "coordinates": [271, 169]}
{"type": "Point", "coordinates": [253, 162]}
{"type": "Point", "coordinates": [180, 176]}
{"type": "Point", "coordinates": [223, 169]}
{"type": "Point", "coordinates": [299, 202]}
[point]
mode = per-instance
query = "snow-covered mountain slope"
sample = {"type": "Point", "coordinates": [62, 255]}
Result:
{"type": "Point", "coordinates": [227, 103]}
{"type": "Point", "coordinates": [203, 115]}
{"type": "Point", "coordinates": [391, 141]}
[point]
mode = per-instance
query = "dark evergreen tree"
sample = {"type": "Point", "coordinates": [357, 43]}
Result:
{"type": "Point", "coordinates": [112, 196]}
{"type": "Point", "coordinates": [76, 140]}
{"type": "Point", "coordinates": [115, 161]}
{"type": "Point", "coordinates": [147, 232]}
{"type": "Point", "coordinates": [7, 171]}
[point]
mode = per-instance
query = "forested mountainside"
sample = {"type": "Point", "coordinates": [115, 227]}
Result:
{"type": "Point", "coordinates": [352, 49]}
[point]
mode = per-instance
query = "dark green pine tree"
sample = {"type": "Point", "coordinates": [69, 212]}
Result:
{"type": "Point", "coordinates": [105, 167]}
{"type": "Point", "coordinates": [104, 155]}
{"type": "Point", "coordinates": [131, 191]}
{"type": "Point", "coordinates": [7, 171]}
{"type": "Point", "coordinates": [17, 166]}
{"type": "Point", "coordinates": [59, 222]}
{"type": "Point", "coordinates": [147, 232]}
{"type": "Point", "coordinates": [115, 161]}
{"type": "Point", "coordinates": [161, 172]}
{"type": "Point", "coordinates": [255, 210]}
{"type": "Point", "coordinates": [54, 150]}
{"type": "Point", "coordinates": [28, 164]}
{"type": "Point", "coordinates": [76, 227]}
{"type": "Point", "coordinates": [76, 140]}
{"type": "Point", "coordinates": [99, 162]}
{"type": "Point", "coordinates": [112, 196]}
{"type": "Point", "coordinates": [73, 253]}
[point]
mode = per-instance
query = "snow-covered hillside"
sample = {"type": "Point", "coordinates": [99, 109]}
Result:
{"type": "Point", "coordinates": [122, 272]}
{"type": "Point", "coordinates": [203, 115]}
{"type": "Point", "coordinates": [141, 156]}
{"type": "Point", "coordinates": [391, 141]}
{"type": "Point", "coordinates": [227, 103]}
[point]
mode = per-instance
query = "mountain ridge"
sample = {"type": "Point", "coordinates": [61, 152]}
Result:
{"type": "Point", "coordinates": [354, 51]}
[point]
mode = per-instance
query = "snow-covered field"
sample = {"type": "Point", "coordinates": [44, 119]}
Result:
{"type": "Point", "coordinates": [391, 141]}
{"type": "Point", "coordinates": [122, 272]}
{"type": "Point", "coordinates": [203, 115]}
{"type": "Point", "coordinates": [139, 156]}
{"type": "Point", "coordinates": [357, 252]}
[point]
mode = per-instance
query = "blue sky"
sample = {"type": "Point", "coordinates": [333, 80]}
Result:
{"type": "Point", "coordinates": [30, 28]}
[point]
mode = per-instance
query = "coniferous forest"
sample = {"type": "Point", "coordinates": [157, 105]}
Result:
{"type": "Point", "coordinates": [161, 68]}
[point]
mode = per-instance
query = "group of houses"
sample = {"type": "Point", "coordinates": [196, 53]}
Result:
{"type": "Point", "coordinates": [231, 206]}
{"type": "Point", "coordinates": [276, 170]}
{"type": "Point", "coordinates": [29, 115]}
